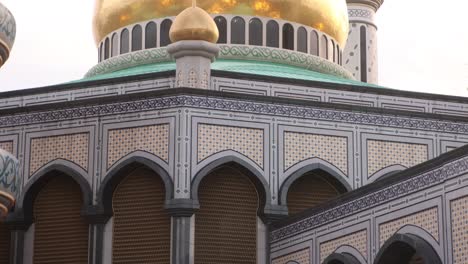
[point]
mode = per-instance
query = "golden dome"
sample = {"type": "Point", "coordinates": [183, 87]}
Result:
{"type": "Point", "coordinates": [194, 24]}
{"type": "Point", "coordinates": [329, 16]}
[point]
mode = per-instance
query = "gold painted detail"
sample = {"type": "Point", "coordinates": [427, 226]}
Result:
{"type": "Point", "coordinates": [194, 24]}
{"type": "Point", "coordinates": [381, 154]}
{"type": "Point", "coordinates": [329, 16]}
{"type": "Point", "coordinates": [153, 139]}
{"type": "Point", "coordinates": [459, 214]}
{"type": "Point", "coordinates": [213, 139]}
{"type": "Point", "coordinates": [71, 147]}
{"type": "Point", "coordinates": [302, 146]}
{"type": "Point", "coordinates": [427, 220]}
{"type": "Point", "coordinates": [357, 240]}
{"type": "Point", "coordinates": [300, 257]}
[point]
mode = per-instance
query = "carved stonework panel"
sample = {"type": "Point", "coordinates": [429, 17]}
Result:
{"type": "Point", "coordinates": [153, 139]}
{"type": "Point", "coordinates": [300, 257]}
{"type": "Point", "coordinates": [301, 146]}
{"type": "Point", "coordinates": [7, 146]}
{"type": "Point", "coordinates": [357, 240]}
{"type": "Point", "coordinates": [382, 154]}
{"type": "Point", "coordinates": [213, 139]}
{"type": "Point", "coordinates": [459, 213]}
{"type": "Point", "coordinates": [427, 220]}
{"type": "Point", "coordinates": [71, 147]}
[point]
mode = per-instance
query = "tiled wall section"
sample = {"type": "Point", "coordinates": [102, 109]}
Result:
{"type": "Point", "coordinates": [215, 138]}
{"type": "Point", "coordinates": [427, 220]}
{"type": "Point", "coordinates": [302, 146]}
{"type": "Point", "coordinates": [301, 257]}
{"type": "Point", "coordinates": [7, 145]}
{"type": "Point", "coordinates": [71, 147]}
{"type": "Point", "coordinates": [358, 240]}
{"type": "Point", "coordinates": [153, 139]}
{"type": "Point", "coordinates": [459, 214]}
{"type": "Point", "coordinates": [381, 154]}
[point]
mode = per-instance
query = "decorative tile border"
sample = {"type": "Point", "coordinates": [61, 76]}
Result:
{"type": "Point", "coordinates": [376, 198]}
{"type": "Point", "coordinates": [235, 105]}
{"type": "Point", "coordinates": [242, 52]}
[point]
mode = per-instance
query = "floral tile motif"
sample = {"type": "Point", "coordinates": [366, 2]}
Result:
{"type": "Point", "coordinates": [301, 146]}
{"type": "Point", "coordinates": [427, 220]}
{"type": "Point", "coordinates": [300, 257]}
{"type": "Point", "coordinates": [357, 240]}
{"type": "Point", "coordinates": [7, 145]}
{"type": "Point", "coordinates": [381, 154]}
{"type": "Point", "coordinates": [215, 138]}
{"type": "Point", "coordinates": [459, 215]}
{"type": "Point", "coordinates": [153, 139]}
{"type": "Point", "coordinates": [71, 147]}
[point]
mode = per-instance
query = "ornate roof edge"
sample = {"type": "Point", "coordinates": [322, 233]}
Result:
{"type": "Point", "coordinates": [375, 4]}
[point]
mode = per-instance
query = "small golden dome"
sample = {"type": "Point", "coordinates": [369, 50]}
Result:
{"type": "Point", "coordinates": [194, 23]}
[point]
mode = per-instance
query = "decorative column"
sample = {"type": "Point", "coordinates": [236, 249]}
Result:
{"type": "Point", "coordinates": [193, 62]}
{"type": "Point", "coordinates": [194, 34]}
{"type": "Point", "coordinates": [360, 53]}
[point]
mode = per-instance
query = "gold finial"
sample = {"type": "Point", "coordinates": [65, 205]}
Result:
{"type": "Point", "coordinates": [194, 23]}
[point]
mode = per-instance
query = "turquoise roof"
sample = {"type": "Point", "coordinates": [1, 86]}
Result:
{"type": "Point", "coordinates": [239, 66]}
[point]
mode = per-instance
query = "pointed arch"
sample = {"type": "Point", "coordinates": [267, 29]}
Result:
{"type": "Point", "coordinates": [341, 258]}
{"type": "Point", "coordinates": [255, 176]}
{"type": "Point", "coordinates": [386, 172]}
{"type": "Point", "coordinates": [402, 248]}
{"type": "Point", "coordinates": [337, 177]}
{"type": "Point", "coordinates": [44, 175]}
{"type": "Point", "coordinates": [120, 170]}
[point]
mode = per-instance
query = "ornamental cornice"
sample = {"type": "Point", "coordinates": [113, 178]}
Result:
{"type": "Point", "coordinates": [375, 4]}
{"type": "Point", "coordinates": [239, 105]}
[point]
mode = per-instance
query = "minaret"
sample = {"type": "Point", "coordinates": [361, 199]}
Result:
{"type": "Point", "coordinates": [194, 35]}
{"type": "Point", "coordinates": [360, 53]}
{"type": "Point", "coordinates": [7, 33]}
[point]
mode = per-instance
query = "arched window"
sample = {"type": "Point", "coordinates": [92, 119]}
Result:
{"type": "Point", "coordinates": [237, 30]}
{"type": "Point", "coordinates": [165, 27]}
{"type": "Point", "coordinates": [141, 233]}
{"type": "Point", "coordinates": [255, 32]}
{"type": "Point", "coordinates": [106, 49]}
{"type": "Point", "coordinates": [100, 53]}
{"type": "Point", "coordinates": [272, 34]}
{"type": "Point", "coordinates": [302, 40]}
{"type": "Point", "coordinates": [288, 36]}
{"type": "Point", "coordinates": [151, 35]}
{"type": "Point", "coordinates": [314, 43]}
{"type": "Point", "coordinates": [115, 45]}
{"type": "Point", "coordinates": [332, 46]}
{"type": "Point", "coordinates": [312, 189]}
{"type": "Point", "coordinates": [324, 47]}
{"type": "Point", "coordinates": [137, 36]}
{"type": "Point", "coordinates": [227, 197]}
{"type": "Point", "coordinates": [407, 249]}
{"type": "Point", "coordinates": [330, 49]}
{"type": "Point", "coordinates": [338, 57]}
{"type": "Point", "coordinates": [124, 41]}
{"type": "Point", "coordinates": [363, 45]}
{"type": "Point", "coordinates": [60, 232]}
{"type": "Point", "coordinates": [4, 243]}
{"type": "Point", "coordinates": [222, 28]}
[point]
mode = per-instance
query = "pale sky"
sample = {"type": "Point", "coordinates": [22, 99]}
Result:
{"type": "Point", "coordinates": [423, 44]}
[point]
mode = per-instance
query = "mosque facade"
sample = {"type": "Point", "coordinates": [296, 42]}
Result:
{"type": "Point", "coordinates": [231, 132]}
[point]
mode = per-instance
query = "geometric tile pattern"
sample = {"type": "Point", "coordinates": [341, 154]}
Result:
{"type": "Point", "coordinates": [381, 154]}
{"type": "Point", "coordinates": [7, 146]}
{"type": "Point", "coordinates": [302, 146]}
{"type": "Point", "coordinates": [71, 147]}
{"type": "Point", "coordinates": [301, 257]}
{"type": "Point", "coordinates": [213, 139]}
{"type": "Point", "coordinates": [459, 215]}
{"type": "Point", "coordinates": [427, 220]}
{"type": "Point", "coordinates": [357, 240]}
{"type": "Point", "coordinates": [153, 139]}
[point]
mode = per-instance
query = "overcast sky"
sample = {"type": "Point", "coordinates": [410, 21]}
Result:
{"type": "Point", "coordinates": [423, 44]}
